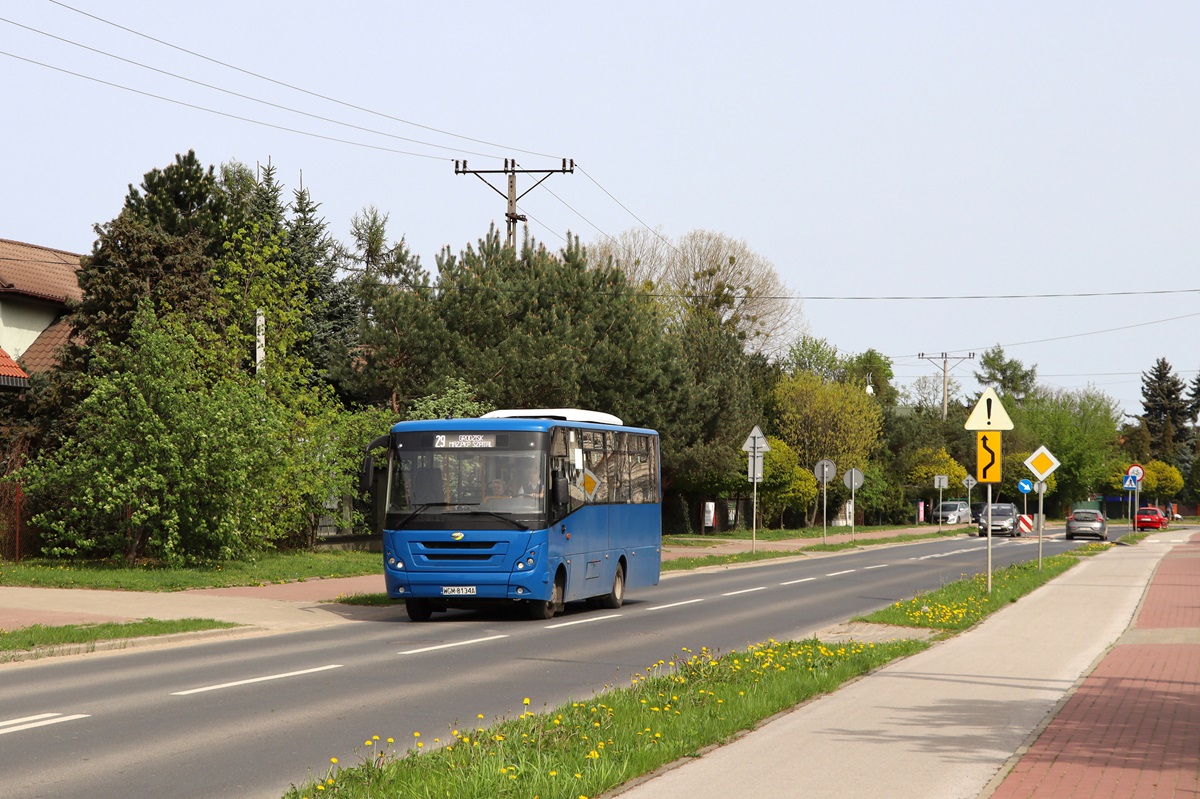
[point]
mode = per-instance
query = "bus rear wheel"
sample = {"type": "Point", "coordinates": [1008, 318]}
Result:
{"type": "Point", "coordinates": [617, 597]}
{"type": "Point", "coordinates": [544, 609]}
{"type": "Point", "coordinates": [418, 609]}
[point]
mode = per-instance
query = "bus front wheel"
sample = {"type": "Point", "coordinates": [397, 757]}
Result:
{"type": "Point", "coordinates": [544, 610]}
{"type": "Point", "coordinates": [418, 609]}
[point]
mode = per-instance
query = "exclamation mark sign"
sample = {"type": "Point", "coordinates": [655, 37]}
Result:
{"type": "Point", "coordinates": [989, 410]}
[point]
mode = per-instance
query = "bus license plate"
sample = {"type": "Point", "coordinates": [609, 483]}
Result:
{"type": "Point", "coordinates": [458, 590]}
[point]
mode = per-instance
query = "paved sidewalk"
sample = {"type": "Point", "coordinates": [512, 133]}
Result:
{"type": "Point", "coordinates": [1132, 728]}
{"type": "Point", "coordinates": [953, 722]}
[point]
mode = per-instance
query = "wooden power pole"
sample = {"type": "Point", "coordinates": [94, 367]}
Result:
{"type": "Point", "coordinates": [511, 217]}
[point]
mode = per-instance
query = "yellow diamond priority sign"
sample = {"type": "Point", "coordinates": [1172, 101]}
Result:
{"type": "Point", "coordinates": [1042, 463]}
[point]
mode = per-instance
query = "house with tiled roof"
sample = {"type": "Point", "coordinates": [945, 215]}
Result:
{"type": "Point", "coordinates": [35, 285]}
{"type": "Point", "coordinates": [12, 376]}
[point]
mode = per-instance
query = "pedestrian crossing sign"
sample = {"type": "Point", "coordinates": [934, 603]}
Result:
{"type": "Point", "coordinates": [1129, 483]}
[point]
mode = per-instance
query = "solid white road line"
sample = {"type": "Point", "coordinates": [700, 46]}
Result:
{"type": "Point", "coordinates": [447, 646]}
{"type": "Point", "coordinates": [802, 580]}
{"type": "Point", "coordinates": [877, 566]}
{"type": "Point", "coordinates": [40, 720]}
{"type": "Point", "coordinates": [835, 574]}
{"type": "Point", "coordinates": [254, 680]}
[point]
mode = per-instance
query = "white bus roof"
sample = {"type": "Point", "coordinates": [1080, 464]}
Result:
{"type": "Point", "coordinates": [566, 414]}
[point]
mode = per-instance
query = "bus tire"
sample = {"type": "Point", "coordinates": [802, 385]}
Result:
{"type": "Point", "coordinates": [418, 609]}
{"type": "Point", "coordinates": [544, 609]}
{"type": "Point", "coordinates": [613, 600]}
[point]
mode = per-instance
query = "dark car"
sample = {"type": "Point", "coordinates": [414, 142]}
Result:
{"type": "Point", "coordinates": [976, 509]}
{"type": "Point", "coordinates": [1004, 519]}
{"type": "Point", "coordinates": [1087, 522]}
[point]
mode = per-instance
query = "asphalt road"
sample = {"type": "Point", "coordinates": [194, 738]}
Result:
{"type": "Point", "coordinates": [249, 717]}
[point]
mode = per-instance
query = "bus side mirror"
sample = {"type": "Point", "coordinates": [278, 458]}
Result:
{"type": "Point", "coordinates": [367, 475]}
{"type": "Point", "coordinates": [560, 491]}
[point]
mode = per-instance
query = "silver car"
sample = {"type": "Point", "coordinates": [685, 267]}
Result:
{"type": "Point", "coordinates": [1004, 520]}
{"type": "Point", "coordinates": [1087, 522]}
{"type": "Point", "coordinates": [952, 513]}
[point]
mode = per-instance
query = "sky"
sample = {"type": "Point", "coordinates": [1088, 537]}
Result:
{"type": "Point", "coordinates": [928, 176]}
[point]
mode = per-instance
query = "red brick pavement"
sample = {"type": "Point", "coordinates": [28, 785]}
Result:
{"type": "Point", "coordinates": [1132, 729]}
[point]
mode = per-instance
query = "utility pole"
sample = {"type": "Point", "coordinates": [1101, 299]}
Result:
{"type": "Point", "coordinates": [946, 374]}
{"type": "Point", "coordinates": [511, 217]}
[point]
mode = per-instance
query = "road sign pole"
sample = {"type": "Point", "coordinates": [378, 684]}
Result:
{"type": "Point", "coordinates": [989, 539]}
{"type": "Point", "coordinates": [1041, 522]}
{"type": "Point", "coordinates": [754, 507]}
{"type": "Point", "coordinates": [824, 510]}
{"type": "Point", "coordinates": [853, 512]}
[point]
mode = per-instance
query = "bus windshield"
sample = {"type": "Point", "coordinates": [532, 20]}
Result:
{"type": "Point", "coordinates": [476, 479]}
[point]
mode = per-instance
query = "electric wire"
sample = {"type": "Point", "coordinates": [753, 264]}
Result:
{"type": "Point", "coordinates": [227, 115]}
{"type": "Point", "coordinates": [232, 93]}
{"type": "Point", "coordinates": [298, 88]}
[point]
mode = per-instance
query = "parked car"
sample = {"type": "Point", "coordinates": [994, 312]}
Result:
{"type": "Point", "coordinates": [1087, 522]}
{"type": "Point", "coordinates": [976, 509]}
{"type": "Point", "coordinates": [952, 513]}
{"type": "Point", "coordinates": [1004, 519]}
{"type": "Point", "coordinates": [1151, 519]}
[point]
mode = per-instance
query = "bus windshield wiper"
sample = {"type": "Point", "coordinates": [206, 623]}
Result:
{"type": "Point", "coordinates": [515, 523]}
{"type": "Point", "coordinates": [421, 509]}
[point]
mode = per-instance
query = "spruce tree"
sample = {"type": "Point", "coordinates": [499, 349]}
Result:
{"type": "Point", "coordinates": [1165, 411]}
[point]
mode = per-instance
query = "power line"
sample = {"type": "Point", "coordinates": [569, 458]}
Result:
{"type": "Point", "coordinates": [297, 111]}
{"type": "Point", "coordinates": [297, 88]}
{"type": "Point", "coordinates": [232, 93]}
{"type": "Point", "coordinates": [223, 113]}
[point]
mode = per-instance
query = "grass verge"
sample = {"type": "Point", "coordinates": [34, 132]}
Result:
{"type": "Point", "coordinates": [275, 567]}
{"type": "Point", "coordinates": [964, 603]}
{"type": "Point", "coordinates": [681, 706]}
{"type": "Point", "coordinates": [581, 749]}
{"type": "Point", "coordinates": [40, 637]}
{"type": "Point", "coordinates": [802, 546]}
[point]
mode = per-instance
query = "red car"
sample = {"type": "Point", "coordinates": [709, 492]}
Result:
{"type": "Point", "coordinates": [1151, 519]}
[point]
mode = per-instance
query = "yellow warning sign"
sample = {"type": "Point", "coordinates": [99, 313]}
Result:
{"type": "Point", "coordinates": [987, 454]}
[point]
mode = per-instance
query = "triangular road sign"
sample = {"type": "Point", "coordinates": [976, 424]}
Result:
{"type": "Point", "coordinates": [989, 414]}
{"type": "Point", "coordinates": [756, 442]}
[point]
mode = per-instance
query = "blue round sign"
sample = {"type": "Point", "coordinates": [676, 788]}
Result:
{"type": "Point", "coordinates": [1025, 486]}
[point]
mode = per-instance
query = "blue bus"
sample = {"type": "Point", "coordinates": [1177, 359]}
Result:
{"type": "Point", "coordinates": [527, 507]}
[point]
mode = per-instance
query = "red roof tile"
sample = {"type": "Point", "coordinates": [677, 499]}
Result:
{"type": "Point", "coordinates": [38, 272]}
{"type": "Point", "coordinates": [11, 375]}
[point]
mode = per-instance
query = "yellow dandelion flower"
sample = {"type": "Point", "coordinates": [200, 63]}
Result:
{"type": "Point", "coordinates": [526, 702]}
{"type": "Point", "coordinates": [333, 760]}
{"type": "Point", "coordinates": [416, 735]}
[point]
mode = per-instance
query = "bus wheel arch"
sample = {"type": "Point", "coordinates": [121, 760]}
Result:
{"type": "Point", "coordinates": [544, 609]}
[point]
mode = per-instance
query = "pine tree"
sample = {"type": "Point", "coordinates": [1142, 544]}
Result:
{"type": "Point", "coordinates": [1165, 411]}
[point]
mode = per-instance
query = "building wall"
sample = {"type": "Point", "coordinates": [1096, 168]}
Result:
{"type": "Point", "coordinates": [21, 323]}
